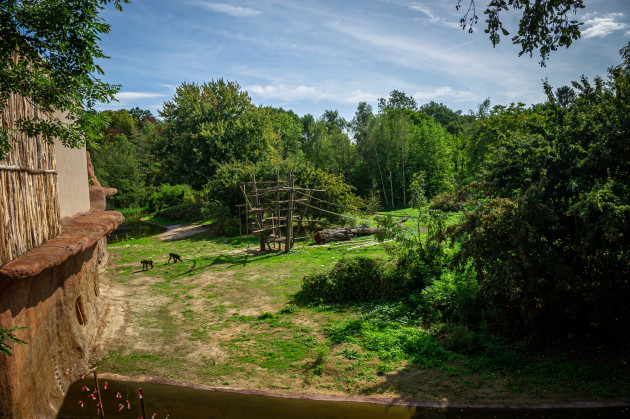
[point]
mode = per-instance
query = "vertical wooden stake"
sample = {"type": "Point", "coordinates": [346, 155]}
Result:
{"type": "Point", "coordinates": [98, 391]}
{"type": "Point", "coordinates": [289, 237]}
{"type": "Point", "coordinates": [277, 232]}
{"type": "Point", "coordinates": [240, 227]}
{"type": "Point", "coordinates": [261, 235]}
{"type": "Point", "coordinates": [144, 416]}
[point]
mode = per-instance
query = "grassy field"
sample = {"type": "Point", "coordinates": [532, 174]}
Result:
{"type": "Point", "coordinates": [225, 317]}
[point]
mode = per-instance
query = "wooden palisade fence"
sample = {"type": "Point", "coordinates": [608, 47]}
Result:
{"type": "Point", "coordinates": [29, 203]}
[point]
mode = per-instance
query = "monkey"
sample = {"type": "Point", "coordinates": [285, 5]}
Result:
{"type": "Point", "coordinates": [146, 263]}
{"type": "Point", "coordinates": [175, 257]}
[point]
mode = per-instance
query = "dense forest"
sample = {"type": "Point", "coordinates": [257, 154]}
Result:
{"type": "Point", "coordinates": [541, 194]}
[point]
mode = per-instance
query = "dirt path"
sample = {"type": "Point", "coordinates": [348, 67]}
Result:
{"type": "Point", "coordinates": [180, 231]}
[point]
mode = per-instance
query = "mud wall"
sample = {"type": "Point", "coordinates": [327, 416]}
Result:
{"type": "Point", "coordinates": [72, 175]}
{"type": "Point", "coordinates": [59, 309]}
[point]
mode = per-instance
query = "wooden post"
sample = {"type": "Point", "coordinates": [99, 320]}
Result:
{"type": "Point", "coordinates": [289, 237]}
{"type": "Point", "coordinates": [299, 227]}
{"type": "Point", "coordinates": [261, 235]}
{"type": "Point", "coordinates": [240, 227]}
{"type": "Point", "coordinates": [277, 215]}
{"type": "Point", "coordinates": [98, 391]}
{"type": "Point", "coordinates": [144, 416]}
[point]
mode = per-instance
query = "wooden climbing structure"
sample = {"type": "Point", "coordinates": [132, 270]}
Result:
{"type": "Point", "coordinates": [273, 209]}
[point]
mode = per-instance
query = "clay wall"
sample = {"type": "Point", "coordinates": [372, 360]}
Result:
{"type": "Point", "coordinates": [59, 309]}
{"type": "Point", "coordinates": [52, 291]}
{"type": "Point", "coordinates": [72, 180]}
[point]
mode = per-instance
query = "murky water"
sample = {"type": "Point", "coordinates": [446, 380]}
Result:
{"type": "Point", "coordinates": [182, 402]}
{"type": "Point", "coordinates": [136, 229]}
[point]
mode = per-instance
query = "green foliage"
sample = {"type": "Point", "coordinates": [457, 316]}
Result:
{"type": "Point", "coordinates": [7, 335]}
{"type": "Point", "coordinates": [208, 125]}
{"type": "Point", "coordinates": [353, 280]}
{"type": "Point", "coordinates": [289, 309]}
{"type": "Point", "coordinates": [168, 196]}
{"type": "Point", "coordinates": [56, 44]}
{"type": "Point", "coordinates": [223, 223]}
{"type": "Point", "coordinates": [182, 212]}
{"type": "Point", "coordinates": [327, 145]}
{"type": "Point", "coordinates": [116, 166]}
{"type": "Point", "coordinates": [549, 244]}
{"type": "Point", "coordinates": [225, 186]}
{"type": "Point", "coordinates": [453, 297]}
{"type": "Point", "coordinates": [124, 159]}
{"type": "Point", "coordinates": [543, 26]}
{"type": "Point", "coordinates": [398, 142]}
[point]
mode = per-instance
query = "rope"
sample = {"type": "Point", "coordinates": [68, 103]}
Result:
{"type": "Point", "coordinates": [334, 213]}
{"type": "Point", "coordinates": [354, 209]}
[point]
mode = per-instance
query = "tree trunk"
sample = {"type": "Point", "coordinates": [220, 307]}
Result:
{"type": "Point", "coordinates": [346, 233]}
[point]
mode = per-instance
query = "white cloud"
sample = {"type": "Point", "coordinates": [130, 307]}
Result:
{"type": "Point", "coordinates": [602, 26]}
{"type": "Point", "coordinates": [359, 95]}
{"type": "Point", "coordinates": [286, 93]}
{"type": "Point", "coordinates": [292, 94]}
{"type": "Point", "coordinates": [228, 9]}
{"type": "Point", "coordinates": [445, 92]}
{"type": "Point", "coordinates": [431, 16]}
{"type": "Point", "coordinates": [131, 96]}
{"type": "Point", "coordinates": [419, 7]}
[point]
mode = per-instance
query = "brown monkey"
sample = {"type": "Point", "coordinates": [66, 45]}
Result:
{"type": "Point", "coordinates": [175, 257]}
{"type": "Point", "coordinates": [146, 263]}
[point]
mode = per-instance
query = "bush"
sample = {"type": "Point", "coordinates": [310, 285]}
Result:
{"type": "Point", "coordinates": [452, 297]}
{"type": "Point", "coordinates": [183, 212]}
{"type": "Point", "coordinates": [349, 281]}
{"type": "Point", "coordinates": [445, 202]}
{"type": "Point", "coordinates": [168, 196]}
{"type": "Point", "coordinates": [223, 223]}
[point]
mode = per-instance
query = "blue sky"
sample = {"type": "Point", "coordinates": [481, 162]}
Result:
{"type": "Point", "coordinates": [314, 55]}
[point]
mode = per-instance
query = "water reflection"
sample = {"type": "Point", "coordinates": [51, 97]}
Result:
{"type": "Point", "coordinates": [183, 402]}
{"type": "Point", "coordinates": [134, 229]}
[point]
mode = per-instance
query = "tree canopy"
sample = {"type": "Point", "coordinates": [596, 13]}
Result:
{"type": "Point", "coordinates": [48, 55]}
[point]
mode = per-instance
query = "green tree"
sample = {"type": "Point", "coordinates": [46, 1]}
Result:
{"type": "Point", "coordinates": [116, 165]}
{"type": "Point", "coordinates": [207, 125]}
{"type": "Point", "coordinates": [565, 96]}
{"type": "Point", "coordinates": [549, 243]}
{"type": "Point", "coordinates": [48, 54]}
{"type": "Point", "coordinates": [327, 144]}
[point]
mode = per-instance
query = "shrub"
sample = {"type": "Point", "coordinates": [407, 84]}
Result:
{"type": "Point", "coordinates": [350, 280]}
{"type": "Point", "coordinates": [183, 212]}
{"type": "Point", "coordinates": [223, 223]}
{"type": "Point", "coordinates": [168, 196]}
{"type": "Point", "coordinates": [452, 297]}
{"type": "Point", "coordinates": [445, 202]}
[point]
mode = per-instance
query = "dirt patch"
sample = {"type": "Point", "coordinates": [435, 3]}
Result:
{"type": "Point", "coordinates": [180, 231]}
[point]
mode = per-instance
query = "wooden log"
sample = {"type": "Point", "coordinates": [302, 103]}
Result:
{"type": "Point", "coordinates": [347, 233]}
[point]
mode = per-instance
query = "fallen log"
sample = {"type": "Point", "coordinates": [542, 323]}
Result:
{"type": "Point", "coordinates": [347, 233]}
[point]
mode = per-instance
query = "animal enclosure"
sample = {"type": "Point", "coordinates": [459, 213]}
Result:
{"type": "Point", "coordinates": [274, 207]}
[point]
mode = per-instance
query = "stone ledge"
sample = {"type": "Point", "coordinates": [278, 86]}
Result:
{"type": "Point", "coordinates": [76, 236]}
